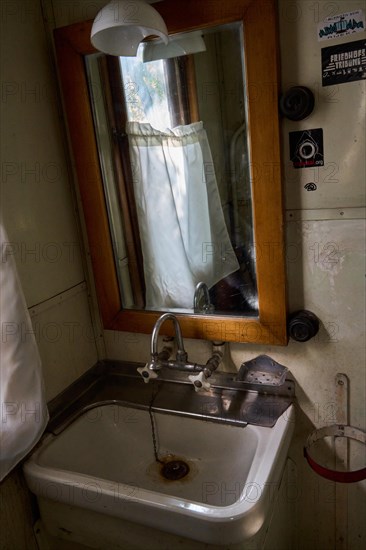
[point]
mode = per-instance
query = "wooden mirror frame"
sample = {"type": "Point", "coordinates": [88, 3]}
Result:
{"type": "Point", "coordinates": [261, 65]}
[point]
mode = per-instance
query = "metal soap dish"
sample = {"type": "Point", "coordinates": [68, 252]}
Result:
{"type": "Point", "coordinates": [262, 370]}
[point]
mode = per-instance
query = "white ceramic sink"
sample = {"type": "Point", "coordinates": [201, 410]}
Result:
{"type": "Point", "coordinates": [104, 461]}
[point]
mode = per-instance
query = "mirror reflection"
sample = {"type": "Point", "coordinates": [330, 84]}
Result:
{"type": "Point", "coordinates": [172, 136]}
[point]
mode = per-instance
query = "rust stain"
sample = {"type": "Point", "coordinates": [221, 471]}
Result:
{"type": "Point", "coordinates": [154, 470]}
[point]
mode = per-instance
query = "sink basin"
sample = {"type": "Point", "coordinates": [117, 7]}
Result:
{"type": "Point", "coordinates": [105, 459]}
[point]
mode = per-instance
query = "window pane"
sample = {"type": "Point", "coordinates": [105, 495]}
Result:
{"type": "Point", "coordinates": [146, 92]}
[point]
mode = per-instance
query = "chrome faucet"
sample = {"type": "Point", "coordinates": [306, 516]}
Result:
{"type": "Point", "coordinates": [181, 353]}
{"type": "Point", "coordinates": [163, 359]}
{"type": "Point", "coordinates": [207, 307]}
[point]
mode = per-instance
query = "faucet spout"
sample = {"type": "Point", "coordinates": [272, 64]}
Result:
{"type": "Point", "coordinates": [207, 307]}
{"type": "Point", "coordinates": [163, 360]}
{"type": "Point", "coordinates": [181, 353]}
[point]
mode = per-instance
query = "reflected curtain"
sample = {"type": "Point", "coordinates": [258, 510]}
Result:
{"type": "Point", "coordinates": [183, 234]}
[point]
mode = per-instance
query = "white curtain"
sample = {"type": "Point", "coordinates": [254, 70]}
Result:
{"type": "Point", "coordinates": [183, 234]}
{"type": "Point", "coordinates": [24, 413]}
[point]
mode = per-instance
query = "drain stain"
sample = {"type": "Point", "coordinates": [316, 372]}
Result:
{"type": "Point", "coordinates": [174, 470]}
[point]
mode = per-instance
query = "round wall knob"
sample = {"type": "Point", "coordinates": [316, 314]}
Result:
{"type": "Point", "coordinates": [303, 325]}
{"type": "Point", "coordinates": [297, 103]}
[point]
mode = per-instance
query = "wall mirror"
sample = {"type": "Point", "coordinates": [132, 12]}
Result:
{"type": "Point", "coordinates": [177, 158]}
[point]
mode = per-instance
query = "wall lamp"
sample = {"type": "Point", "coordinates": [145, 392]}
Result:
{"type": "Point", "coordinates": [121, 25]}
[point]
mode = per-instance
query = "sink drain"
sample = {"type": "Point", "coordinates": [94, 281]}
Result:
{"type": "Point", "coordinates": [174, 470]}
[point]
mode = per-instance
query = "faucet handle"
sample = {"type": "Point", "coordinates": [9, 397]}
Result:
{"type": "Point", "coordinates": [147, 373]}
{"type": "Point", "coordinates": [199, 381]}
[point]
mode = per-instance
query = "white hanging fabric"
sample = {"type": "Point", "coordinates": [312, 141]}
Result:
{"type": "Point", "coordinates": [24, 413]}
{"type": "Point", "coordinates": [183, 234]}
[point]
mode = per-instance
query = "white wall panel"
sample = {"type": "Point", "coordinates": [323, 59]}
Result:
{"type": "Point", "coordinates": [35, 190]}
{"type": "Point", "coordinates": [37, 206]}
{"type": "Point", "coordinates": [66, 340]}
{"type": "Point", "coordinates": [66, 12]}
{"type": "Point", "coordinates": [340, 110]}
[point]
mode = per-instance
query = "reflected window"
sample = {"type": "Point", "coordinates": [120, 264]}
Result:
{"type": "Point", "coordinates": [146, 92]}
{"type": "Point", "coordinates": [208, 86]}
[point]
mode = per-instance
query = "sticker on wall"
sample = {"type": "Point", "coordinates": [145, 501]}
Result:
{"type": "Point", "coordinates": [344, 63]}
{"type": "Point", "coordinates": [341, 25]}
{"type": "Point", "coordinates": [311, 186]}
{"type": "Point", "coordinates": [306, 148]}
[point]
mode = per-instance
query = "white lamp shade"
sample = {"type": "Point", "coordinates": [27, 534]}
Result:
{"type": "Point", "coordinates": [121, 25]}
